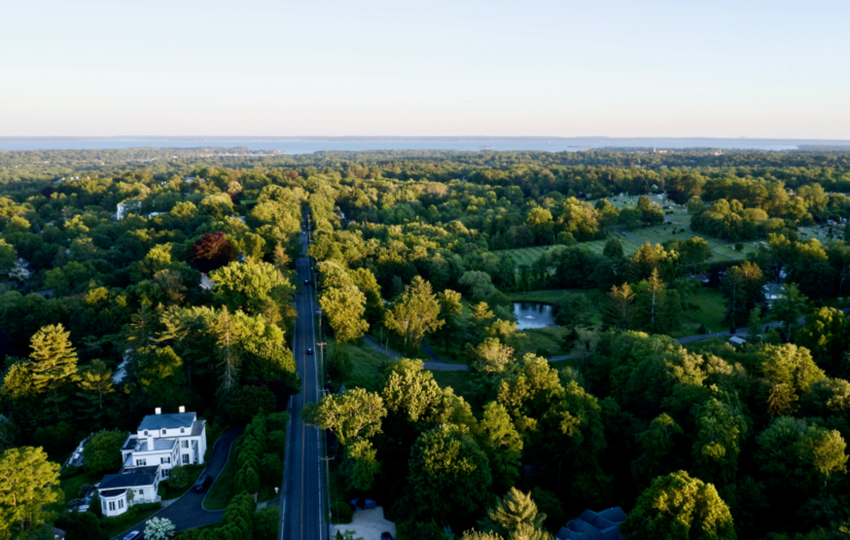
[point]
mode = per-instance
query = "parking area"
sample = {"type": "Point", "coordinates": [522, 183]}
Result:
{"type": "Point", "coordinates": [368, 524]}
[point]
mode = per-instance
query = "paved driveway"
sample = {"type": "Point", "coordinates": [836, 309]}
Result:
{"type": "Point", "coordinates": [187, 512]}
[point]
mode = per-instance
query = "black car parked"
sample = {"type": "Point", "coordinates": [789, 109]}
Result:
{"type": "Point", "coordinates": [203, 483]}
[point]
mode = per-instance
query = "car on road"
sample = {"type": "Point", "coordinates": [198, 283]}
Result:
{"type": "Point", "coordinates": [202, 484]}
{"type": "Point", "coordinates": [307, 282]}
{"type": "Point", "coordinates": [134, 535]}
{"type": "Point", "coordinates": [309, 351]}
{"type": "Point", "coordinates": [363, 504]}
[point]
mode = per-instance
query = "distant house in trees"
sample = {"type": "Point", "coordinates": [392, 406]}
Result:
{"type": "Point", "coordinates": [162, 441]}
{"type": "Point", "coordinates": [21, 270]}
{"type": "Point", "coordinates": [735, 340]}
{"type": "Point", "coordinates": [591, 525]}
{"type": "Point", "coordinates": [206, 283]}
{"type": "Point", "coordinates": [773, 291]}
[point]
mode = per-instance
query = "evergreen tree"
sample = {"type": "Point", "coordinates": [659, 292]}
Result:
{"type": "Point", "coordinates": [28, 483]}
{"type": "Point", "coordinates": [618, 312]}
{"type": "Point", "coordinates": [512, 511]}
{"type": "Point", "coordinates": [54, 363]}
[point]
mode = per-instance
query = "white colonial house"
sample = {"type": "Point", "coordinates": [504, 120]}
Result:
{"type": "Point", "coordinates": [162, 441]}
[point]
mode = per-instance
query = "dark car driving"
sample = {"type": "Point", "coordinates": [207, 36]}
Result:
{"type": "Point", "coordinates": [306, 282]}
{"type": "Point", "coordinates": [309, 351]}
{"type": "Point", "coordinates": [202, 484]}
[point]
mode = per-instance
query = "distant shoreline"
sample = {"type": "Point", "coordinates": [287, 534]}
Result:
{"type": "Point", "coordinates": [304, 145]}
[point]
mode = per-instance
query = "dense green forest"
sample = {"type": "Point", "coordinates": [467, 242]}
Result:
{"type": "Point", "coordinates": [423, 253]}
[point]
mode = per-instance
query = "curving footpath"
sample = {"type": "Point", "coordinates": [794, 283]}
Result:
{"type": "Point", "coordinates": [188, 512]}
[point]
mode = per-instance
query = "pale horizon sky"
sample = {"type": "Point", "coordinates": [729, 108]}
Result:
{"type": "Point", "coordinates": [614, 68]}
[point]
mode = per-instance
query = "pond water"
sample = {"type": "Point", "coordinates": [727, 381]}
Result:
{"type": "Point", "coordinates": [533, 315]}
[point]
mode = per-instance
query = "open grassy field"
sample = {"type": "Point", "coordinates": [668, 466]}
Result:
{"type": "Point", "coordinates": [632, 240]}
{"type": "Point", "coordinates": [527, 255]}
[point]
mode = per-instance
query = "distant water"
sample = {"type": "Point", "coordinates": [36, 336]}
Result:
{"type": "Point", "coordinates": [305, 145]}
{"type": "Point", "coordinates": [533, 315]}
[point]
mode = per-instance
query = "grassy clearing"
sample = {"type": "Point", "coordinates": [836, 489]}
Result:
{"type": "Point", "coordinates": [712, 308]}
{"type": "Point", "coordinates": [526, 255]}
{"type": "Point", "coordinates": [459, 381]}
{"type": "Point", "coordinates": [367, 364]}
{"type": "Point", "coordinates": [223, 487]}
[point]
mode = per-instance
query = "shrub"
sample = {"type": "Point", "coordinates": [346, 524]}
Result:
{"type": "Point", "coordinates": [702, 329]}
{"type": "Point", "coordinates": [276, 441]}
{"type": "Point", "coordinates": [102, 454]}
{"type": "Point", "coordinates": [739, 246]}
{"type": "Point", "coordinates": [266, 522]}
{"type": "Point", "coordinates": [81, 526]}
{"type": "Point", "coordinates": [342, 512]}
{"type": "Point", "coordinates": [179, 478]}
{"type": "Point", "coordinates": [272, 467]}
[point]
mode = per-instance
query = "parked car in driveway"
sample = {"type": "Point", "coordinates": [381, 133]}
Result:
{"type": "Point", "coordinates": [134, 535]}
{"type": "Point", "coordinates": [202, 484]}
{"type": "Point", "coordinates": [363, 504]}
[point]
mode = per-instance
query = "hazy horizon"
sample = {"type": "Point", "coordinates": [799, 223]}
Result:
{"type": "Point", "coordinates": [569, 69]}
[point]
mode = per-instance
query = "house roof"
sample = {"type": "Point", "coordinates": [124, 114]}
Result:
{"type": "Point", "coordinates": [159, 445]}
{"type": "Point", "coordinates": [592, 525]}
{"type": "Point", "coordinates": [198, 427]}
{"type": "Point", "coordinates": [167, 421]}
{"type": "Point", "coordinates": [141, 476]}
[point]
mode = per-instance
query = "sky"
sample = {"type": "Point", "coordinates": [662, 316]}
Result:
{"type": "Point", "coordinates": [774, 69]}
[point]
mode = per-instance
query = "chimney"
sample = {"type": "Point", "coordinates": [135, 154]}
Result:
{"type": "Point", "coordinates": [182, 409]}
{"type": "Point", "coordinates": [158, 410]}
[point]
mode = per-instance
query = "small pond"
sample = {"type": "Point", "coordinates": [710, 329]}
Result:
{"type": "Point", "coordinates": [533, 315]}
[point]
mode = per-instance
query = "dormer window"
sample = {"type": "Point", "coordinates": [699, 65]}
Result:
{"type": "Point", "coordinates": [163, 432]}
{"type": "Point", "coordinates": [182, 430]}
{"type": "Point", "coordinates": [146, 433]}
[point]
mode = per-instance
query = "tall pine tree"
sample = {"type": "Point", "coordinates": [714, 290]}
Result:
{"type": "Point", "coordinates": [54, 363]}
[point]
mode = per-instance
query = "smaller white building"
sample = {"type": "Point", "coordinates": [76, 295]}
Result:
{"type": "Point", "coordinates": [120, 491]}
{"type": "Point", "coordinates": [162, 441]}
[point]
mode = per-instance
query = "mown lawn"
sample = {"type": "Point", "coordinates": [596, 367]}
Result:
{"type": "Point", "coordinates": [712, 308]}
{"type": "Point", "coordinates": [366, 364]}
{"type": "Point", "coordinates": [223, 487]}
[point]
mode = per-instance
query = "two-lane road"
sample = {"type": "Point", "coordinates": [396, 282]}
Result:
{"type": "Point", "coordinates": [302, 507]}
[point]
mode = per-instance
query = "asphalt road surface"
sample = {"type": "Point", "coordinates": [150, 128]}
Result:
{"type": "Point", "coordinates": [302, 507]}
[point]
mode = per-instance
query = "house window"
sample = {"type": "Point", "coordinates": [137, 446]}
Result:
{"type": "Point", "coordinates": [185, 459]}
{"type": "Point", "coordinates": [185, 444]}
{"type": "Point", "coordinates": [146, 433]}
{"type": "Point", "coordinates": [166, 473]}
{"type": "Point", "coordinates": [165, 460]}
{"type": "Point", "coordinates": [120, 504]}
{"type": "Point", "coordinates": [141, 462]}
{"type": "Point", "coordinates": [111, 506]}
{"type": "Point", "coordinates": [182, 430]}
{"type": "Point", "coordinates": [163, 432]}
